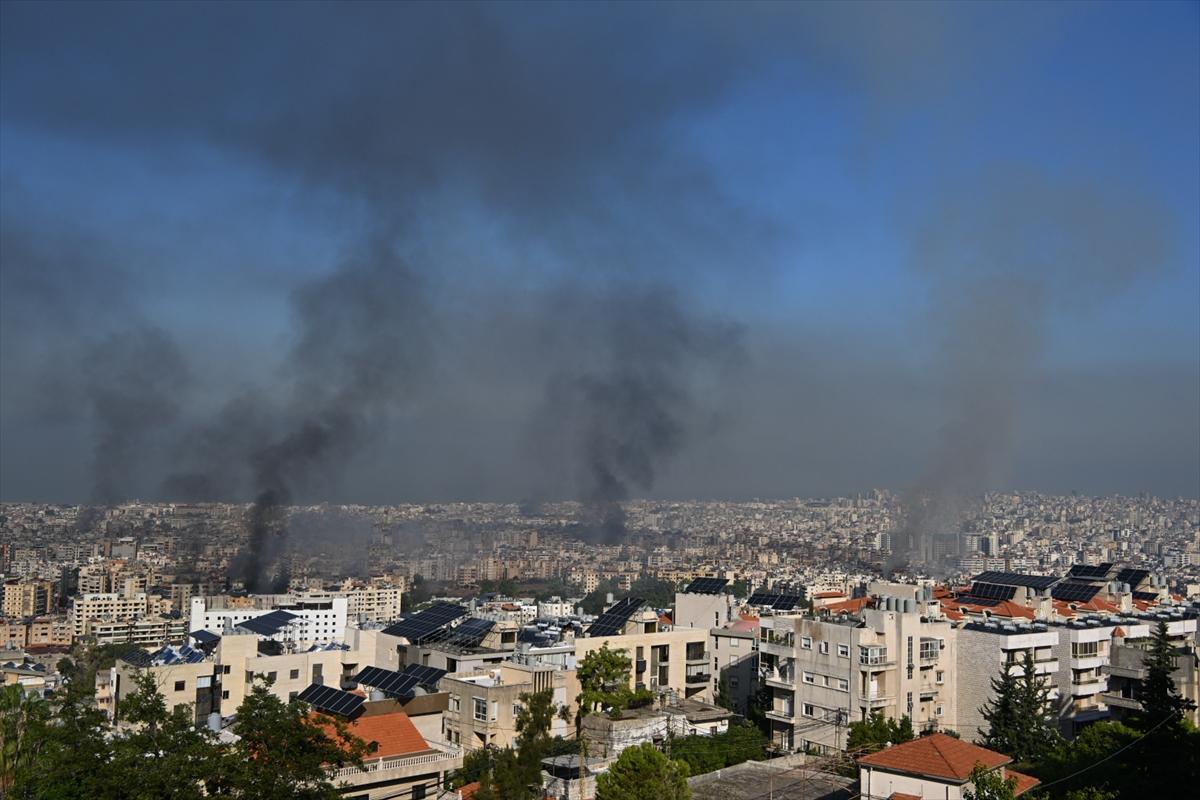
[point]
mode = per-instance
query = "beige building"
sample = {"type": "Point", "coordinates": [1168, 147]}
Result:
{"type": "Point", "coordinates": [483, 704]}
{"type": "Point", "coordinates": [89, 609]}
{"type": "Point", "coordinates": [28, 597]}
{"type": "Point", "coordinates": [663, 659]}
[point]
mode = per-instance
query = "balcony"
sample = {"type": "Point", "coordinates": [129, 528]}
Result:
{"type": "Point", "coordinates": [781, 715]}
{"type": "Point", "coordinates": [443, 758]}
{"type": "Point", "coordinates": [697, 657]}
{"type": "Point", "coordinates": [697, 677]}
{"type": "Point", "coordinates": [781, 679]}
{"type": "Point", "coordinates": [875, 658]}
{"type": "Point", "coordinates": [878, 699]}
{"type": "Point", "coordinates": [1117, 701]}
{"type": "Point", "coordinates": [1088, 687]}
{"type": "Point", "coordinates": [777, 648]}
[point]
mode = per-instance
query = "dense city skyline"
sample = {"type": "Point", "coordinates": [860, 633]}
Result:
{"type": "Point", "coordinates": [407, 253]}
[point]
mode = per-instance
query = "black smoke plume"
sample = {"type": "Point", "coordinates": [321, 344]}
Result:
{"type": "Point", "coordinates": [625, 409]}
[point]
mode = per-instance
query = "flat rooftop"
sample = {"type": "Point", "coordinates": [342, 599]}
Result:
{"type": "Point", "coordinates": [753, 780]}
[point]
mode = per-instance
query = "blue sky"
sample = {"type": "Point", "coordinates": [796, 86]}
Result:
{"type": "Point", "coordinates": [774, 167]}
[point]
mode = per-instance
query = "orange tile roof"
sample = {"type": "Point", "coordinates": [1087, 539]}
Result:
{"type": "Point", "coordinates": [937, 756]}
{"type": "Point", "coordinates": [393, 734]}
{"type": "Point", "coordinates": [853, 606]}
{"type": "Point", "coordinates": [820, 595]}
{"type": "Point", "coordinates": [468, 791]}
{"type": "Point", "coordinates": [903, 796]}
{"type": "Point", "coordinates": [1024, 782]}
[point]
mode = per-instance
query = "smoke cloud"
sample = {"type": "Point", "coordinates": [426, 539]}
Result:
{"type": "Point", "coordinates": [1001, 256]}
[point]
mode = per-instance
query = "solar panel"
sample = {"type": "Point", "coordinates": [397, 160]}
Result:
{"type": "Point", "coordinates": [1097, 571]}
{"type": "Point", "coordinates": [1145, 595]}
{"type": "Point", "coordinates": [268, 624]}
{"type": "Point", "coordinates": [388, 681]}
{"type": "Point", "coordinates": [706, 586]}
{"type": "Point", "coordinates": [776, 600]}
{"type": "Point", "coordinates": [613, 621]}
{"type": "Point", "coordinates": [332, 701]}
{"type": "Point", "coordinates": [426, 676]}
{"type": "Point", "coordinates": [204, 637]}
{"type": "Point", "coordinates": [986, 602]}
{"type": "Point", "coordinates": [1133, 576]}
{"type": "Point", "coordinates": [471, 632]}
{"type": "Point", "coordinates": [993, 591]}
{"type": "Point", "coordinates": [425, 622]}
{"type": "Point", "coordinates": [1017, 579]}
{"type": "Point", "coordinates": [1074, 592]}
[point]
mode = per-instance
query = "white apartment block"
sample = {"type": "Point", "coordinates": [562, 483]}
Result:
{"type": "Point", "coordinates": [88, 609]}
{"type": "Point", "coordinates": [984, 648]}
{"type": "Point", "coordinates": [322, 619]}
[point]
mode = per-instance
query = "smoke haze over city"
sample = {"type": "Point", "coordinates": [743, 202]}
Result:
{"type": "Point", "coordinates": [383, 253]}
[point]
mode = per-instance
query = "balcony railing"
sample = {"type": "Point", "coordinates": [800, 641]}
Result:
{"type": "Point", "coordinates": [697, 677]}
{"type": "Point", "coordinates": [442, 752]}
{"type": "Point", "coordinates": [873, 658]}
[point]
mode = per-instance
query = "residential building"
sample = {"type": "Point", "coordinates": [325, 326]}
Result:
{"type": "Point", "coordinates": [936, 765]}
{"type": "Point", "coordinates": [402, 763]}
{"type": "Point", "coordinates": [829, 670]}
{"type": "Point", "coordinates": [318, 619]}
{"type": "Point", "coordinates": [985, 648]}
{"type": "Point", "coordinates": [27, 597]}
{"type": "Point", "coordinates": [1126, 672]}
{"type": "Point", "coordinates": [483, 704]}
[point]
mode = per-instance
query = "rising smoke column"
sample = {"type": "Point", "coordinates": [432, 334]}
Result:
{"type": "Point", "coordinates": [360, 346]}
{"type": "Point", "coordinates": [1003, 255]}
{"type": "Point", "coordinates": [629, 405]}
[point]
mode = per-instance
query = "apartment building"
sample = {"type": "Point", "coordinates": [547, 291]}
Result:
{"type": "Point", "coordinates": [987, 646]}
{"type": "Point", "coordinates": [27, 597]}
{"type": "Point", "coordinates": [152, 631]}
{"type": "Point", "coordinates": [88, 610]}
{"type": "Point", "coordinates": [1084, 649]}
{"type": "Point", "coordinates": [1126, 672]}
{"type": "Point", "coordinates": [483, 704]}
{"type": "Point", "coordinates": [183, 675]}
{"type": "Point", "coordinates": [320, 618]}
{"type": "Point", "coordinates": [735, 666]}
{"type": "Point", "coordinates": [663, 658]}
{"type": "Point", "coordinates": [825, 672]}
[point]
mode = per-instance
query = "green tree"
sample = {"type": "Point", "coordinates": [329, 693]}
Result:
{"type": "Point", "coordinates": [1090, 793]}
{"type": "Point", "coordinates": [1160, 698]}
{"type": "Point", "coordinates": [1001, 714]}
{"type": "Point", "coordinates": [1036, 734]}
{"type": "Point", "coordinates": [643, 773]}
{"type": "Point", "coordinates": [284, 751]}
{"type": "Point", "coordinates": [989, 784]}
{"type": "Point", "coordinates": [742, 742]}
{"type": "Point", "coordinates": [21, 716]}
{"type": "Point", "coordinates": [604, 680]}
{"type": "Point", "coordinates": [877, 731]}
{"type": "Point", "coordinates": [517, 774]}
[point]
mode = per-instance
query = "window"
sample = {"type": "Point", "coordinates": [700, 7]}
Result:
{"type": "Point", "coordinates": [225, 695]}
{"type": "Point", "coordinates": [940, 676]}
{"type": "Point", "coordinates": [294, 675]}
{"type": "Point", "coordinates": [843, 685]}
{"type": "Point", "coordinates": [225, 669]}
{"type": "Point", "coordinates": [249, 676]}
{"type": "Point", "coordinates": [806, 642]}
{"type": "Point", "coordinates": [824, 648]}
{"type": "Point", "coordinates": [825, 680]}
{"type": "Point", "coordinates": [418, 792]}
{"type": "Point", "coordinates": [734, 643]}
{"type": "Point", "coordinates": [810, 710]}
{"type": "Point", "coordinates": [455, 704]}
{"type": "Point", "coordinates": [1085, 649]}
{"type": "Point", "coordinates": [480, 709]}
{"type": "Point", "coordinates": [180, 685]}
{"type": "Point", "coordinates": [516, 710]}
{"type": "Point", "coordinates": [318, 675]}
{"type": "Point", "coordinates": [292, 696]}
{"type": "Point", "coordinates": [809, 678]}
{"type": "Point", "coordinates": [272, 675]}
{"type": "Point", "coordinates": [939, 711]}
{"type": "Point", "coordinates": [844, 650]}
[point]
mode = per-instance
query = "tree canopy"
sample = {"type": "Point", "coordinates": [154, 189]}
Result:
{"type": "Point", "coordinates": [1020, 717]}
{"type": "Point", "coordinates": [643, 773]}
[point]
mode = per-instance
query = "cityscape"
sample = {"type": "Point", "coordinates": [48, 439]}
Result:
{"type": "Point", "coordinates": [599, 401]}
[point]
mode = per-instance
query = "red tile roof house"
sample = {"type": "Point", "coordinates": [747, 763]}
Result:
{"type": "Point", "coordinates": [401, 764]}
{"type": "Point", "coordinates": [934, 766]}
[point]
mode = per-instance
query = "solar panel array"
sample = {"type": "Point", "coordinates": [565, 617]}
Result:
{"type": "Point", "coordinates": [426, 622]}
{"type": "Point", "coordinates": [993, 591]}
{"type": "Point", "coordinates": [387, 681]}
{"type": "Point", "coordinates": [1097, 572]}
{"type": "Point", "coordinates": [776, 600]}
{"type": "Point", "coordinates": [204, 637]}
{"type": "Point", "coordinates": [706, 586]}
{"type": "Point", "coordinates": [1133, 576]}
{"type": "Point", "coordinates": [469, 634]}
{"type": "Point", "coordinates": [613, 621]}
{"type": "Point", "coordinates": [1017, 579]}
{"type": "Point", "coordinates": [1145, 595]}
{"type": "Point", "coordinates": [1074, 592]}
{"type": "Point", "coordinates": [970, 600]}
{"type": "Point", "coordinates": [268, 624]}
{"type": "Point", "coordinates": [426, 676]}
{"type": "Point", "coordinates": [332, 701]}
